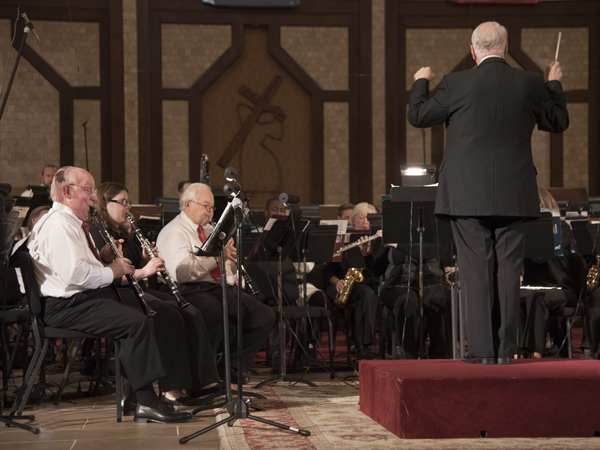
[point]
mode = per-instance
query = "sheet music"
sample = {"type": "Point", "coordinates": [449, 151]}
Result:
{"type": "Point", "coordinates": [341, 224]}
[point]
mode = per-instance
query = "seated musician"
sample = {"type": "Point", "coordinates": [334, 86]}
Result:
{"type": "Point", "coordinates": [200, 276]}
{"type": "Point", "coordinates": [565, 272]}
{"type": "Point", "coordinates": [361, 305]}
{"type": "Point", "coordinates": [47, 174]}
{"type": "Point", "coordinates": [344, 211]}
{"type": "Point", "coordinates": [400, 294]}
{"type": "Point", "coordinates": [113, 205]}
{"type": "Point", "coordinates": [591, 321]}
{"type": "Point", "coordinates": [79, 294]}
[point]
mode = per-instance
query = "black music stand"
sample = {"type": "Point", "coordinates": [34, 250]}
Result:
{"type": "Point", "coordinates": [275, 244]}
{"type": "Point", "coordinates": [315, 245]}
{"type": "Point", "coordinates": [238, 409]}
{"type": "Point", "coordinates": [539, 237]}
{"type": "Point", "coordinates": [409, 218]}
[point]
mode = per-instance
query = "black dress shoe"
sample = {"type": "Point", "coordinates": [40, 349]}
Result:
{"type": "Point", "coordinates": [128, 407]}
{"type": "Point", "coordinates": [475, 360]}
{"type": "Point", "coordinates": [180, 401]}
{"type": "Point", "coordinates": [195, 393]}
{"type": "Point", "coordinates": [503, 360]}
{"type": "Point", "coordinates": [164, 414]}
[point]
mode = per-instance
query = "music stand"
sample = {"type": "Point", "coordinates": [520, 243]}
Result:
{"type": "Point", "coordinates": [238, 409]}
{"type": "Point", "coordinates": [316, 245]}
{"type": "Point", "coordinates": [274, 245]}
{"type": "Point", "coordinates": [409, 218]}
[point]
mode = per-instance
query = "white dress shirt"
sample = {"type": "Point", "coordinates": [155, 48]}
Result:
{"type": "Point", "coordinates": [64, 264]}
{"type": "Point", "coordinates": [178, 243]}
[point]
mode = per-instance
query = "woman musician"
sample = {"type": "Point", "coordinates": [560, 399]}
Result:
{"type": "Point", "coordinates": [565, 274]}
{"type": "Point", "coordinates": [361, 305]}
{"type": "Point", "coordinates": [193, 354]}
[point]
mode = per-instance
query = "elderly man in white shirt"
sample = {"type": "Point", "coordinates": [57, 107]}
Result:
{"type": "Point", "coordinates": [79, 294]}
{"type": "Point", "coordinates": [200, 279]}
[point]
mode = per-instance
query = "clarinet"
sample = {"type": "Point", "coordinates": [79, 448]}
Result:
{"type": "Point", "coordinates": [165, 274]}
{"type": "Point", "coordinates": [130, 277]}
{"type": "Point", "coordinates": [251, 287]}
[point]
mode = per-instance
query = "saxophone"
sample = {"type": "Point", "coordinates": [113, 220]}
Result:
{"type": "Point", "coordinates": [592, 278]}
{"type": "Point", "coordinates": [352, 277]}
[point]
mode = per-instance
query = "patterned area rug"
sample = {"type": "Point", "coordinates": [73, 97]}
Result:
{"type": "Point", "coordinates": [330, 412]}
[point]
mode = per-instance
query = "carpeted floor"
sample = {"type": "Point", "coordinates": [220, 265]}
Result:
{"type": "Point", "coordinates": [330, 412]}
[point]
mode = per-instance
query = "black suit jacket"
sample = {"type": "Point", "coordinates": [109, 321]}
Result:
{"type": "Point", "coordinates": [490, 113]}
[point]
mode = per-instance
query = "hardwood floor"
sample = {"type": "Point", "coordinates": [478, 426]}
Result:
{"type": "Point", "coordinates": [90, 423]}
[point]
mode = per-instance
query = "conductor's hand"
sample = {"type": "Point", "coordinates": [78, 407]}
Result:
{"type": "Point", "coordinates": [553, 72]}
{"type": "Point", "coordinates": [230, 251]}
{"type": "Point", "coordinates": [120, 267]}
{"type": "Point", "coordinates": [424, 72]}
{"type": "Point", "coordinates": [106, 253]}
{"type": "Point", "coordinates": [339, 285]}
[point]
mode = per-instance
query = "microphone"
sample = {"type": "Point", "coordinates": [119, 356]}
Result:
{"type": "Point", "coordinates": [229, 189]}
{"type": "Point", "coordinates": [291, 198]}
{"type": "Point", "coordinates": [29, 26]}
{"type": "Point", "coordinates": [238, 207]}
{"type": "Point", "coordinates": [230, 174]}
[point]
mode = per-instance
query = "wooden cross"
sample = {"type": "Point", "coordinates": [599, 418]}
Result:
{"type": "Point", "coordinates": [261, 104]}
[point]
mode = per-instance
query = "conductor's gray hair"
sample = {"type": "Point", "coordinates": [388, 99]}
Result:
{"type": "Point", "coordinates": [489, 38]}
{"type": "Point", "coordinates": [190, 193]}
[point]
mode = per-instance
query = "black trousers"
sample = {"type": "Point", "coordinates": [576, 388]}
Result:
{"type": "Point", "coordinates": [591, 323]}
{"type": "Point", "coordinates": [257, 318]}
{"type": "Point", "coordinates": [490, 259]}
{"type": "Point", "coordinates": [98, 312]}
{"type": "Point", "coordinates": [200, 356]}
{"type": "Point", "coordinates": [360, 311]}
{"type": "Point", "coordinates": [404, 302]}
{"type": "Point", "coordinates": [537, 306]}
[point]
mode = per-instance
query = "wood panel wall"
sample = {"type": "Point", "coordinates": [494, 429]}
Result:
{"type": "Point", "coordinates": [353, 14]}
{"type": "Point", "coordinates": [109, 16]}
{"type": "Point", "coordinates": [431, 14]}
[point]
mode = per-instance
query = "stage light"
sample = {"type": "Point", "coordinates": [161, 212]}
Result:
{"type": "Point", "coordinates": [416, 175]}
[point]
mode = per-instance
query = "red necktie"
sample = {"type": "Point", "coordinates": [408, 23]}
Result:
{"type": "Point", "coordinates": [216, 272]}
{"type": "Point", "coordinates": [97, 255]}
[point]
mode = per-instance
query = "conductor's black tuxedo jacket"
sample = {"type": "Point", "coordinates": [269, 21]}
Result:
{"type": "Point", "coordinates": [490, 113]}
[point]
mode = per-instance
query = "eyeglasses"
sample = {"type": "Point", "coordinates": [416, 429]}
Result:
{"type": "Point", "coordinates": [88, 190]}
{"type": "Point", "coordinates": [123, 202]}
{"type": "Point", "coordinates": [209, 208]}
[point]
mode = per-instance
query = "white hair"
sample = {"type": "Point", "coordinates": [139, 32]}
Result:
{"type": "Point", "coordinates": [361, 208]}
{"type": "Point", "coordinates": [64, 175]}
{"type": "Point", "coordinates": [489, 38]}
{"type": "Point", "coordinates": [191, 193]}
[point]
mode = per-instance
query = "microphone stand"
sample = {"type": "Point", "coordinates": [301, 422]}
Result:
{"type": "Point", "coordinates": [26, 30]}
{"type": "Point", "coordinates": [238, 409]}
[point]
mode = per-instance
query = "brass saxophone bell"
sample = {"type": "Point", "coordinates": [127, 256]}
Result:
{"type": "Point", "coordinates": [352, 277]}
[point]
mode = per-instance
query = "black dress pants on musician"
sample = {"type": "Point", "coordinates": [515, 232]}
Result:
{"type": "Point", "coordinates": [257, 318]}
{"type": "Point", "coordinates": [98, 312]}
{"type": "Point", "coordinates": [591, 323]}
{"type": "Point", "coordinates": [490, 259]}
{"type": "Point", "coordinates": [360, 312]}
{"type": "Point", "coordinates": [404, 302]}
{"type": "Point", "coordinates": [170, 339]}
{"type": "Point", "coordinates": [201, 356]}
{"type": "Point", "coordinates": [537, 308]}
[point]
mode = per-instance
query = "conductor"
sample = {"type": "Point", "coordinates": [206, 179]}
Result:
{"type": "Point", "coordinates": [487, 180]}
